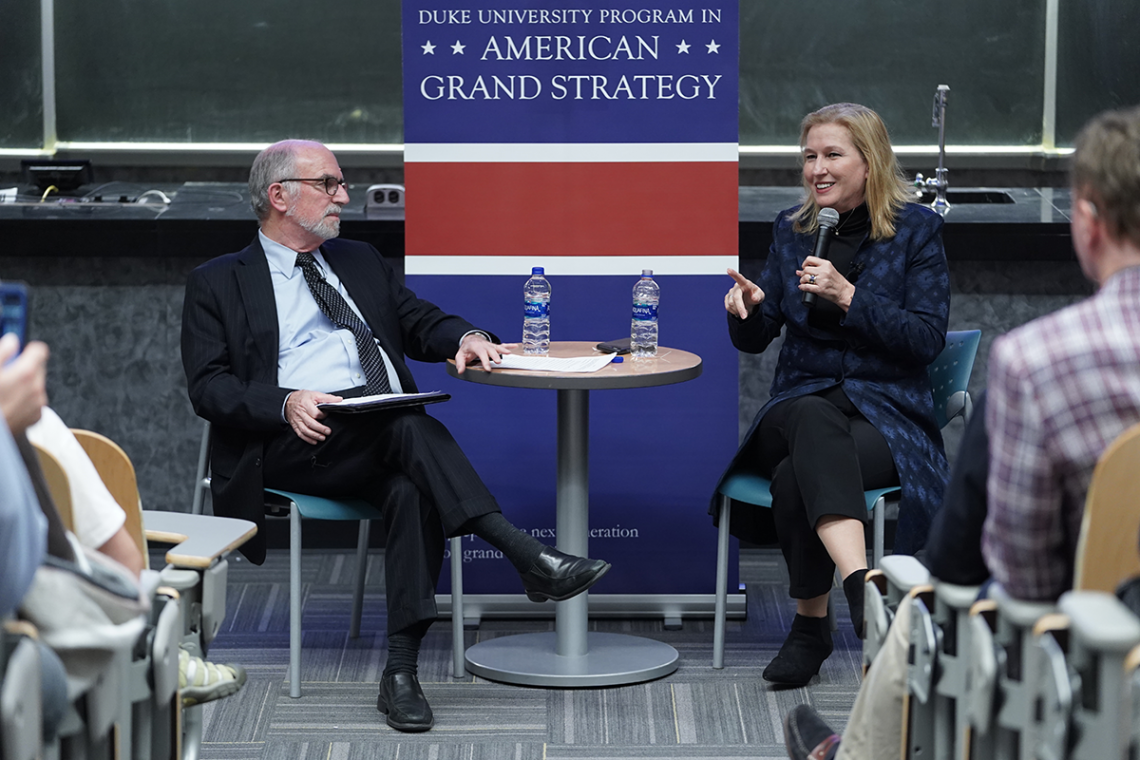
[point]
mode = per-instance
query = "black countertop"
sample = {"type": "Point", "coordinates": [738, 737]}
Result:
{"type": "Point", "coordinates": [205, 219]}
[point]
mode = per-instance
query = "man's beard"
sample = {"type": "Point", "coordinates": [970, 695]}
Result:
{"type": "Point", "coordinates": [323, 227]}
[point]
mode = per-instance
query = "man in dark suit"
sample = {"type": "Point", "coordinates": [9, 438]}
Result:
{"type": "Point", "coordinates": [298, 319]}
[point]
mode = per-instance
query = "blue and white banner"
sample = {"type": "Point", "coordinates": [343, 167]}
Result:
{"type": "Point", "coordinates": [595, 141]}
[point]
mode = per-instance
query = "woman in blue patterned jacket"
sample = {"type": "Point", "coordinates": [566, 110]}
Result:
{"type": "Point", "coordinates": [850, 405]}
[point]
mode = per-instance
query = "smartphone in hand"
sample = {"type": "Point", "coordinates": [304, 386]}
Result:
{"type": "Point", "coordinates": [14, 310]}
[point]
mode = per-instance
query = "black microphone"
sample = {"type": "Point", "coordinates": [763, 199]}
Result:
{"type": "Point", "coordinates": [828, 218]}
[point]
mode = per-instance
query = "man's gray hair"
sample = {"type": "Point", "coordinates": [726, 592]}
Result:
{"type": "Point", "coordinates": [273, 164]}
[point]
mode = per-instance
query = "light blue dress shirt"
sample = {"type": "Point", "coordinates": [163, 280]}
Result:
{"type": "Point", "coordinates": [23, 527]}
{"type": "Point", "coordinates": [313, 353]}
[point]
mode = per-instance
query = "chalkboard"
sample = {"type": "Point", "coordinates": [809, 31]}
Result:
{"type": "Point", "coordinates": [259, 70]}
{"type": "Point", "coordinates": [890, 55]}
{"type": "Point", "coordinates": [1098, 62]}
{"type": "Point", "coordinates": [21, 86]}
{"type": "Point", "coordinates": [224, 71]}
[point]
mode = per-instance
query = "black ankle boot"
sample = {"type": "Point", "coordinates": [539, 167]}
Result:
{"type": "Point", "coordinates": [853, 589]}
{"type": "Point", "coordinates": [807, 646]}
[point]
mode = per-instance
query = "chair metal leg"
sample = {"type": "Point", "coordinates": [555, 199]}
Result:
{"type": "Point", "coordinates": [459, 663]}
{"type": "Point", "coordinates": [877, 537]}
{"type": "Point", "coordinates": [202, 484]}
{"type": "Point", "coordinates": [191, 732]}
{"type": "Point", "coordinates": [361, 573]}
{"type": "Point", "coordinates": [721, 582]}
{"type": "Point", "coordinates": [294, 601]}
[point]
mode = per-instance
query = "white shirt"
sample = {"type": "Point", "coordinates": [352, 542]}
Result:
{"type": "Point", "coordinates": [313, 353]}
{"type": "Point", "coordinates": [95, 513]}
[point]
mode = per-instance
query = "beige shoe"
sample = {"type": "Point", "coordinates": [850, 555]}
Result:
{"type": "Point", "coordinates": [201, 681]}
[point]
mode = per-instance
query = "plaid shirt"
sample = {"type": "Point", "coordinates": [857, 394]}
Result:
{"type": "Point", "coordinates": [1061, 389]}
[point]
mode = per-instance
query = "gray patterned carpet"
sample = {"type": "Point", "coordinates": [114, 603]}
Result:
{"type": "Point", "coordinates": [696, 712]}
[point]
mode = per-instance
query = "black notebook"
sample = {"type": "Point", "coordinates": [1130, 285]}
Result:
{"type": "Point", "coordinates": [383, 401]}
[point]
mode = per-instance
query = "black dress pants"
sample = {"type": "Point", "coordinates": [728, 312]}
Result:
{"type": "Point", "coordinates": [820, 454]}
{"type": "Point", "coordinates": [406, 463]}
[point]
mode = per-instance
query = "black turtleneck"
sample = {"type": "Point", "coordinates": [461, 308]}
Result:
{"type": "Point", "coordinates": [850, 232]}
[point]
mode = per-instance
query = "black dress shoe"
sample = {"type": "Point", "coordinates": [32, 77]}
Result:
{"type": "Point", "coordinates": [807, 737]}
{"type": "Point", "coordinates": [403, 701]}
{"type": "Point", "coordinates": [557, 576]}
{"type": "Point", "coordinates": [799, 659]}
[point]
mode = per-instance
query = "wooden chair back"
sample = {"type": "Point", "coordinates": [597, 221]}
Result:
{"type": "Point", "coordinates": [1108, 551]}
{"type": "Point", "coordinates": [118, 474]}
{"type": "Point", "coordinates": [58, 485]}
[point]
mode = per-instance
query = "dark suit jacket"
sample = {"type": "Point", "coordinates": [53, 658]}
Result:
{"type": "Point", "coordinates": [954, 549]}
{"type": "Point", "coordinates": [230, 347]}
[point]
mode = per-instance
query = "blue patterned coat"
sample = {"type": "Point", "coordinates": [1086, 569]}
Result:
{"type": "Point", "coordinates": [896, 326]}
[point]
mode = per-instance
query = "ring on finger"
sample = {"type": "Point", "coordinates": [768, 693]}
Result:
{"type": "Point", "coordinates": [811, 279]}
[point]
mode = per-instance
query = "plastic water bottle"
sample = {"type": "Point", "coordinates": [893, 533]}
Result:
{"type": "Point", "coordinates": [536, 318]}
{"type": "Point", "coordinates": [643, 330]}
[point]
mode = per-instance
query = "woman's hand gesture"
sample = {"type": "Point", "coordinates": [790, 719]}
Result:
{"type": "Point", "coordinates": [744, 296]}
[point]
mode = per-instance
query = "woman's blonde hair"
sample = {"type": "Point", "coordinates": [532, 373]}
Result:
{"type": "Point", "coordinates": [886, 191]}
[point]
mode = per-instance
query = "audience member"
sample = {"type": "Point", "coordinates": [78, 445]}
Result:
{"type": "Point", "coordinates": [23, 526]}
{"type": "Point", "coordinates": [1061, 389]}
{"type": "Point", "coordinates": [100, 524]}
{"type": "Point", "coordinates": [98, 521]}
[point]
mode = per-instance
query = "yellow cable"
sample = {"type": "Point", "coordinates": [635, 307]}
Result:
{"type": "Point", "coordinates": [45, 195]}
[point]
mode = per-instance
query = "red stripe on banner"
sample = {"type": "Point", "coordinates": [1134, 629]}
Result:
{"type": "Point", "coordinates": [571, 209]}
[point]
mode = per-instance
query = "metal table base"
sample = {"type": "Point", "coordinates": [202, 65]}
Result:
{"type": "Point", "coordinates": [612, 659]}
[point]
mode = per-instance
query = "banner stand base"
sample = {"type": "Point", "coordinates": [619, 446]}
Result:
{"type": "Point", "coordinates": [671, 607]}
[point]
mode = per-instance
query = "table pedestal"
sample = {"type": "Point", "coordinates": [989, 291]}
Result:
{"type": "Point", "coordinates": [571, 656]}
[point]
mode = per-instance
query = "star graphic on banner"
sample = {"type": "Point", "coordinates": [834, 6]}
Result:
{"type": "Point", "coordinates": [713, 47]}
{"type": "Point", "coordinates": [457, 48]}
{"type": "Point", "coordinates": [683, 47]}
{"type": "Point", "coordinates": [429, 49]}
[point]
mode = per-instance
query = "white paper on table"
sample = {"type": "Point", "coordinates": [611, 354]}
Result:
{"type": "Point", "coordinates": [554, 363]}
{"type": "Point", "coordinates": [8, 194]}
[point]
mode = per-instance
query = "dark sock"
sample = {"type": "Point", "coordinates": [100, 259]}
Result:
{"type": "Point", "coordinates": [854, 591]}
{"type": "Point", "coordinates": [404, 649]}
{"type": "Point", "coordinates": [519, 547]}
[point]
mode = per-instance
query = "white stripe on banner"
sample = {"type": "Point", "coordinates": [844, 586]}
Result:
{"type": "Point", "coordinates": [569, 152]}
{"type": "Point", "coordinates": [569, 265]}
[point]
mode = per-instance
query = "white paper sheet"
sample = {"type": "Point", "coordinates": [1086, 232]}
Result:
{"type": "Point", "coordinates": [554, 363]}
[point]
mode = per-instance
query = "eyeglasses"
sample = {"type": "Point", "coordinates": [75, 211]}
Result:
{"type": "Point", "coordinates": [332, 184]}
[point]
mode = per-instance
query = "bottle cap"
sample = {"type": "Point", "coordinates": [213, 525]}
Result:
{"type": "Point", "coordinates": [537, 270]}
{"type": "Point", "coordinates": [646, 272]}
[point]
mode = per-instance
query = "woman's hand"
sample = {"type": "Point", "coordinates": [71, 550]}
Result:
{"type": "Point", "coordinates": [819, 276]}
{"type": "Point", "coordinates": [744, 296]}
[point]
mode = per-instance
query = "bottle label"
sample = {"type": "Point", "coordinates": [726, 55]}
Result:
{"type": "Point", "coordinates": [644, 311]}
{"type": "Point", "coordinates": [536, 309]}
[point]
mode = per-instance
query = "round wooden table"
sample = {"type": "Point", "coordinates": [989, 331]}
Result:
{"type": "Point", "coordinates": [572, 656]}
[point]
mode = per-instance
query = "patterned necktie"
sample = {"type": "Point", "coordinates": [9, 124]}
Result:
{"type": "Point", "coordinates": [338, 310]}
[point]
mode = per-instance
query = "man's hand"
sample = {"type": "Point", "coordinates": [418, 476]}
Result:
{"type": "Point", "coordinates": [23, 383]}
{"type": "Point", "coordinates": [744, 296]}
{"type": "Point", "coordinates": [476, 347]}
{"type": "Point", "coordinates": [304, 417]}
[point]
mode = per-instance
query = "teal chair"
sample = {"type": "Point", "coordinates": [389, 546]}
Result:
{"type": "Point", "coordinates": [949, 378]}
{"type": "Point", "coordinates": [298, 506]}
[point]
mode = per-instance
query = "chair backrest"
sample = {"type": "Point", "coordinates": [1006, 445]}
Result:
{"type": "Point", "coordinates": [1107, 551]}
{"type": "Point", "coordinates": [950, 375]}
{"type": "Point", "coordinates": [58, 485]}
{"type": "Point", "coordinates": [118, 474]}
